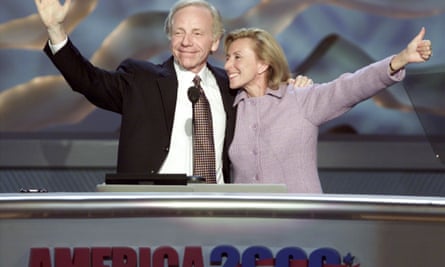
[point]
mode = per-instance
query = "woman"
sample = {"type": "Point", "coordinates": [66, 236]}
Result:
{"type": "Point", "coordinates": [277, 126]}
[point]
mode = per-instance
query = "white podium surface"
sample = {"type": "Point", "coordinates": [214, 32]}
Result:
{"type": "Point", "coordinates": [140, 229]}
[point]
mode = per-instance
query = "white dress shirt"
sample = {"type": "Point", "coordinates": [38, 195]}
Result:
{"type": "Point", "coordinates": [180, 156]}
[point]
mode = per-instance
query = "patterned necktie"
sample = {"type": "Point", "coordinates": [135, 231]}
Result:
{"type": "Point", "coordinates": [203, 145]}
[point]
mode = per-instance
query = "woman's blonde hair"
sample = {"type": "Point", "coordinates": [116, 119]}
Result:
{"type": "Point", "coordinates": [267, 50]}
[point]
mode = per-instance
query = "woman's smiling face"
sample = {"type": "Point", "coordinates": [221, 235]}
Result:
{"type": "Point", "coordinates": [241, 63]}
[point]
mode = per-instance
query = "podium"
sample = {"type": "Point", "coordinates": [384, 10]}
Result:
{"type": "Point", "coordinates": [219, 229]}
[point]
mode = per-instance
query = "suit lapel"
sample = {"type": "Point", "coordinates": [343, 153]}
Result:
{"type": "Point", "coordinates": [168, 89]}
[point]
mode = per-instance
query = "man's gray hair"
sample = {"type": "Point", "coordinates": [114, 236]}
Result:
{"type": "Point", "coordinates": [218, 27]}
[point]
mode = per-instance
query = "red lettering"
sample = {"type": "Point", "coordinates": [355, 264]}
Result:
{"type": "Point", "coordinates": [165, 253]}
{"type": "Point", "coordinates": [124, 257]}
{"type": "Point", "coordinates": [98, 255]}
{"type": "Point", "coordinates": [298, 263]}
{"type": "Point", "coordinates": [265, 262]}
{"type": "Point", "coordinates": [193, 257]}
{"type": "Point", "coordinates": [81, 257]}
{"type": "Point", "coordinates": [144, 257]}
{"type": "Point", "coordinates": [39, 257]}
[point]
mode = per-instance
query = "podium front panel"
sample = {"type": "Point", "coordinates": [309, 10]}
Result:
{"type": "Point", "coordinates": [219, 229]}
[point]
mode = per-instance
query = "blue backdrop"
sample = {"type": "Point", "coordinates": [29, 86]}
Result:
{"type": "Point", "coordinates": [353, 33]}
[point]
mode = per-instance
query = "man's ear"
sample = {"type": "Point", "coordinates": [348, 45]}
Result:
{"type": "Point", "coordinates": [215, 46]}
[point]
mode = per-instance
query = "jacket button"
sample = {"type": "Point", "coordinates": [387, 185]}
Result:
{"type": "Point", "coordinates": [166, 149]}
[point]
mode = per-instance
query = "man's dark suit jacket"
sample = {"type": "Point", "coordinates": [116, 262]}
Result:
{"type": "Point", "coordinates": [145, 95]}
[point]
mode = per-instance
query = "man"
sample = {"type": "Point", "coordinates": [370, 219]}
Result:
{"type": "Point", "coordinates": [156, 114]}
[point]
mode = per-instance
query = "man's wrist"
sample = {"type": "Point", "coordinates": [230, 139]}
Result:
{"type": "Point", "coordinates": [56, 34]}
{"type": "Point", "coordinates": [56, 47]}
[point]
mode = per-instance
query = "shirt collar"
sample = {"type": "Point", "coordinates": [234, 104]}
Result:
{"type": "Point", "coordinates": [185, 75]}
{"type": "Point", "coordinates": [278, 93]}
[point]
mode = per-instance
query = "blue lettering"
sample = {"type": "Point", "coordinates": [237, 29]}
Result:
{"type": "Point", "coordinates": [323, 256]}
{"type": "Point", "coordinates": [294, 254]}
{"type": "Point", "coordinates": [252, 254]}
{"type": "Point", "coordinates": [230, 253]}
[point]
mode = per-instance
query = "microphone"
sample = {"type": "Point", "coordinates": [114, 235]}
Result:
{"type": "Point", "coordinates": [193, 94]}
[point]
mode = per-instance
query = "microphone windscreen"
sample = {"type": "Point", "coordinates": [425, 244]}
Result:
{"type": "Point", "coordinates": [193, 94]}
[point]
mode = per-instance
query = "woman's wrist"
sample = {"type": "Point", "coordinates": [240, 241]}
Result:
{"type": "Point", "coordinates": [396, 63]}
